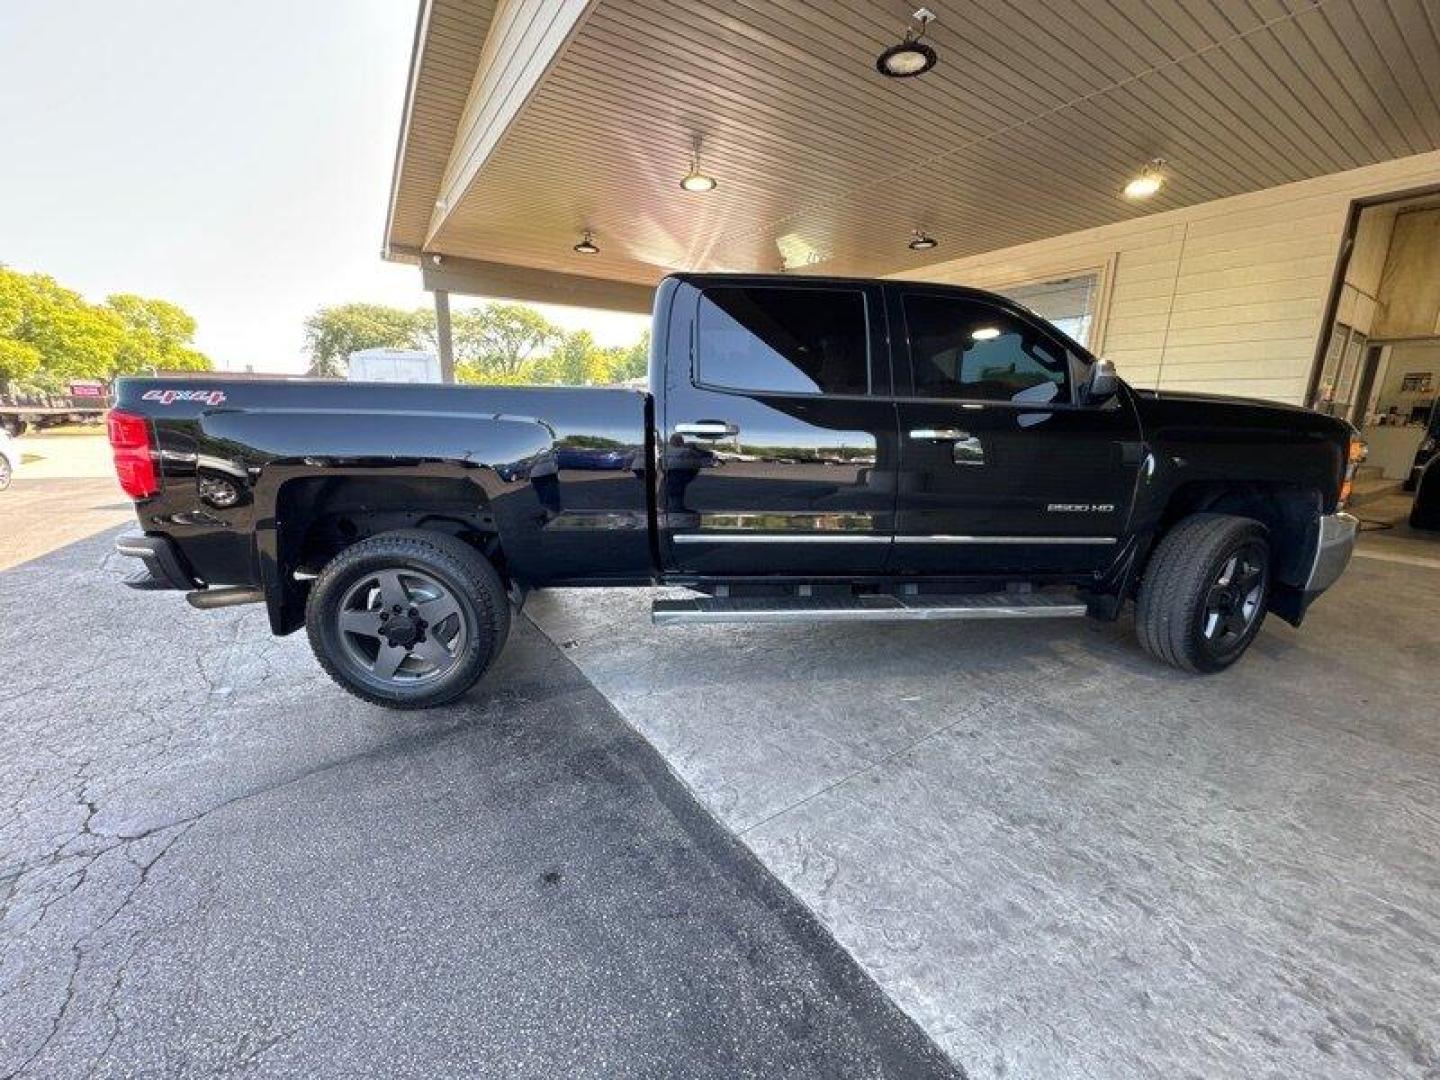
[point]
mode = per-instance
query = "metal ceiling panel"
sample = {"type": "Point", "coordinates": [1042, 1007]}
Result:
{"type": "Point", "coordinates": [1034, 118]}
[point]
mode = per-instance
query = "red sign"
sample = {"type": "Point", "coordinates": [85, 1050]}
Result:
{"type": "Point", "coordinates": [87, 389]}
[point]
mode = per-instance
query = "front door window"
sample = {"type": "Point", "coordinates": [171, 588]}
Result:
{"type": "Point", "coordinates": [972, 351]}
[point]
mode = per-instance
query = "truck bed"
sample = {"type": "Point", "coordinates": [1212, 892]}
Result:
{"type": "Point", "coordinates": [562, 473]}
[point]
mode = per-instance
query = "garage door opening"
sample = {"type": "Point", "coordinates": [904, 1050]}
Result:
{"type": "Point", "coordinates": [1380, 365]}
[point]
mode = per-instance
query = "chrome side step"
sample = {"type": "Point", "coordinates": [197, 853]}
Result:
{"type": "Point", "coordinates": [230, 596]}
{"type": "Point", "coordinates": [769, 609]}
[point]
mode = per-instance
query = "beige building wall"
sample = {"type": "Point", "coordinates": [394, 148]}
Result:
{"type": "Point", "coordinates": [1228, 296]}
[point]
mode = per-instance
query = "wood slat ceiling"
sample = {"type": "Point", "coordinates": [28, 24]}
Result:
{"type": "Point", "coordinates": [448, 46]}
{"type": "Point", "coordinates": [1036, 115]}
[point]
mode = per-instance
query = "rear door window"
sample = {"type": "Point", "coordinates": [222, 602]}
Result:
{"type": "Point", "coordinates": [784, 341]}
{"type": "Point", "coordinates": [966, 348]}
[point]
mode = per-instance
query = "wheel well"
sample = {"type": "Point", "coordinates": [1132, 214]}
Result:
{"type": "Point", "coordinates": [321, 516]}
{"type": "Point", "coordinates": [1288, 511]}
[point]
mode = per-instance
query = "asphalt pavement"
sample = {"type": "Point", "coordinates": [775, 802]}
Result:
{"type": "Point", "coordinates": [213, 862]}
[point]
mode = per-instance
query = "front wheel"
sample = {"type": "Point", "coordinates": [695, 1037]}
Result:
{"type": "Point", "coordinates": [6, 472]}
{"type": "Point", "coordinates": [1204, 594]}
{"type": "Point", "coordinates": [408, 619]}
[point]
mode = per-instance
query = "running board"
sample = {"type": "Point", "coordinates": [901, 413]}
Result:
{"type": "Point", "coordinates": [869, 608]}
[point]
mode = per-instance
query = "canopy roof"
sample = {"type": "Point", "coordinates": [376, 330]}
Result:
{"type": "Point", "coordinates": [529, 122]}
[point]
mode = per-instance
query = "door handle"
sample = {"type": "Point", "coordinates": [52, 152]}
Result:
{"type": "Point", "coordinates": [968, 449]}
{"type": "Point", "coordinates": [708, 429]}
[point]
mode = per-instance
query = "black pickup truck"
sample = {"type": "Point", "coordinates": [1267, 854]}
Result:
{"type": "Point", "coordinates": [809, 448]}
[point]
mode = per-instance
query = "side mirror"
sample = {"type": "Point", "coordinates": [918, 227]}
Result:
{"type": "Point", "coordinates": [1103, 381]}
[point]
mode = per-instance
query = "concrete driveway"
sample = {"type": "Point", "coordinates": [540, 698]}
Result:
{"type": "Point", "coordinates": [213, 862]}
{"type": "Point", "coordinates": [1064, 860]}
{"type": "Point", "coordinates": [1058, 858]}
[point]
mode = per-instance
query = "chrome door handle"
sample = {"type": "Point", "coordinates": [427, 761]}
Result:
{"type": "Point", "coordinates": [968, 451]}
{"type": "Point", "coordinates": [708, 429]}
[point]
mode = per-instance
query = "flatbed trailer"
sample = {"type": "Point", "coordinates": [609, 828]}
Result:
{"type": "Point", "coordinates": [18, 416]}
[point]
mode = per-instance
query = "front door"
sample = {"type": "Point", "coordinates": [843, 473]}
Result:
{"type": "Point", "coordinates": [1002, 470]}
{"type": "Point", "coordinates": [780, 439]}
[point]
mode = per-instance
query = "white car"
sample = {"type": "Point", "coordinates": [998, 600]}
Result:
{"type": "Point", "coordinates": [9, 460]}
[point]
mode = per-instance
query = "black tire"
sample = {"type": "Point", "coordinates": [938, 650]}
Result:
{"type": "Point", "coordinates": [458, 576]}
{"type": "Point", "coordinates": [1188, 615]}
{"type": "Point", "coordinates": [6, 472]}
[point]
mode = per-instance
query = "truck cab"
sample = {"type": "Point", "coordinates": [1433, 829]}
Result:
{"type": "Point", "coordinates": [865, 428]}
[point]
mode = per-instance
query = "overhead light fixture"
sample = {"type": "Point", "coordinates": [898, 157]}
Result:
{"type": "Point", "coordinates": [911, 56]}
{"type": "Point", "coordinates": [586, 246]}
{"type": "Point", "coordinates": [985, 333]}
{"type": "Point", "coordinates": [1150, 180]}
{"type": "Point", "coordinates": [920, 241]}
{"type": "Point", "coordinates": [695, 180]}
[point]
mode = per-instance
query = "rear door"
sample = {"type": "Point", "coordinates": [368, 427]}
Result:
{"type": "Point", "coordinates": [779, 437]}
{"type": "Point", "coordinates": [1001, 469]}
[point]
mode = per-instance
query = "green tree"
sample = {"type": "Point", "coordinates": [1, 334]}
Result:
{"type": "Point", "coordinates": [76, 340]}
{"type": "Point", "coordinates": [625, 363]}
{"type": "Point", "coordinates": [18, 361]}
{"type": "Point", "coordinates": [576, 361]}
{"type": "Point", "coordinates": [50, 334]}
{"type": "Point", "coordinates": [502, 340]}
{"type": "Point", "coordinates": [157, 336]}
{"type": "Point", "coordinates": [333, 333]}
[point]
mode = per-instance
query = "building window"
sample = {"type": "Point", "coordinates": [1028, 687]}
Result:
{"type": "Point", "coordinates": [1067, 303]}
{"type": "Point", "coordinates": [784, 341]}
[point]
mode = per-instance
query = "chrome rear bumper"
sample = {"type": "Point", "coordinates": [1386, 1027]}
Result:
{"type": "Point", "coordinates": [1332, 552]}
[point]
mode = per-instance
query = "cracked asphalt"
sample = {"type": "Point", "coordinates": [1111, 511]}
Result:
{"type": "Point", "coordinates": [213, 862]}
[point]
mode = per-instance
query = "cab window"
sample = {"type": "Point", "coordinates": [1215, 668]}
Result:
{"type": "Point", "coordinates": [784, 341]}
{"type": "Point", "coordinates": [964, 348]}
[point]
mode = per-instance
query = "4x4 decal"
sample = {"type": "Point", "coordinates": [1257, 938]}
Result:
{"type": "Point", "coordinates": [169, 397]}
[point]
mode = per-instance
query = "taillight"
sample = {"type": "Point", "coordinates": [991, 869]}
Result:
{"type": "Point", "coordinates": [130, 445]}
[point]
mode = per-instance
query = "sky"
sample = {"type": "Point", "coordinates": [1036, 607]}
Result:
{"type": "Point", "coordinates": [234, 158]}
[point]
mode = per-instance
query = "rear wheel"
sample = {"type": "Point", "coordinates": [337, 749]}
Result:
{"type": "Point", "coordinates": [1203, 596]}
{"type": "Point", "coordinates": [407, 619]}
{"type": "Point", "coordinates": [6, 472]}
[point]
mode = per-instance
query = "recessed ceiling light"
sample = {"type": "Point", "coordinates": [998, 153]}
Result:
{"type": "Point", "coordinates": [920, 241]}
{"type": "Point", "coordinates": [586, 246]}
{"type": "Point", "coordinates": [1150, 180]}
{"type": "Point", "coordinates": [695, 180]}
{"type": "Point", "coordinates": [911, 56]}
{"type": "Point", "coordinates": [985, 333]}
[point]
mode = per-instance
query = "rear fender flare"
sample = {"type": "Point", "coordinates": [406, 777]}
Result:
{"type": "Point", "coordinates": [500, 472]}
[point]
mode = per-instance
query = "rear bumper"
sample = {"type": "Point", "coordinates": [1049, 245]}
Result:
{"type": "Point", "coordinates": [1332, 552]}
{"type": "Point", "coordinates": [164, 568]}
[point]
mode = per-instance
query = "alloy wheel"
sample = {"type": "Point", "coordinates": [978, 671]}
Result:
{"type": "Point", "coordinates": [402, 626]}
{"type": "Point", "coordinates": [1234, 599]}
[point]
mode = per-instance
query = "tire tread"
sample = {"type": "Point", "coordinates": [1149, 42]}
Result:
{"type": "Point", "coordinates": [1172, 588]}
